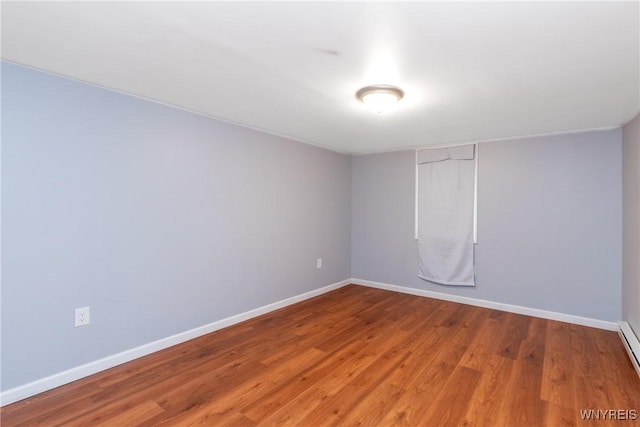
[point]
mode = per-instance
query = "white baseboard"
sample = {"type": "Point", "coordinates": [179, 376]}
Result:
{"type": "Point", "coordinates": [631, 344]}
{"type": "Point", "coordinates": [73, 374]}
{"type": "Point", "coordinates": [552, 315]}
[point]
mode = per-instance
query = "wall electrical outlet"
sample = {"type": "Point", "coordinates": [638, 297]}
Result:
{"type": "Point", "coordinates": [319, 263]}
{"type": "Point", "coordinates": [83, 316]}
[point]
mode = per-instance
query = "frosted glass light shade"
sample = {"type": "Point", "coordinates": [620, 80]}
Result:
{"type": "Point", "coordinates": [381, 98]}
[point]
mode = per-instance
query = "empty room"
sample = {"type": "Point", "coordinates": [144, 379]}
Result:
{"type": "Point", "coordinates": [320, 213]}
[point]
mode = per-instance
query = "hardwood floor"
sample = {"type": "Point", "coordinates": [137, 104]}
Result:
{"type": "Point", "coordinates": [360, 356]}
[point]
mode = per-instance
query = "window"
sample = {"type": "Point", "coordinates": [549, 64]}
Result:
{"type": "Point", "coordinates": [446, 205]}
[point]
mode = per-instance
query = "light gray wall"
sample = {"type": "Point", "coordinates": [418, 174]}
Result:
{"type": "Point", "coordinates": [631, 224]}
{"type": "Point", "coordinates": [549, 223]}
{"type": "Point", "coordinates": [162, 220]}
{"type": "Point", "coordinates": [159, 219]}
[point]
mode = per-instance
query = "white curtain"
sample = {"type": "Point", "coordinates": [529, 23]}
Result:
{"type": "Point", "coordinates": [446, 214]}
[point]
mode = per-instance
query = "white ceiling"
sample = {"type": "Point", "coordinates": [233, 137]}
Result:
{"type": "Point", "coordinates": [470, 71]}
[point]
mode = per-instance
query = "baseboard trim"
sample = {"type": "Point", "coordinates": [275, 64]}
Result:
{"type": "Point", "coordinates": [73, 374]}
{"type": "Point", "coordinates": [545, 314]}
{"type": "Point", "coordinates": [631, 345]}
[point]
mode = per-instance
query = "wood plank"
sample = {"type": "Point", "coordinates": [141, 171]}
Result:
{"type": "Point", "coordinates": [487, 401]}
{"type": "Point", "coordinates": [119, 413]}
{"type": "Point", "coordinates": [333, 409]}
{"type": "Point", "coordinates": [516, 329]}
{"type": "Point", "coordinates": [349, 357]}
{"type": "Point", "coordinates": [485, 344]}
{"type": "Point", "coordinates": [560, 416]}
{"type": "Point", "coordinates": [451, 403]}
{"type": "Point", "coordinates": [557, 378]}
{"type": "Point", "coordinates": [438, 360]}
{"type": "Point", "coordinates": [523, 405]}
{"type": "Point", "coordinates": [185, 406]}
{"type": "Point", "coordinates": [298, 408]}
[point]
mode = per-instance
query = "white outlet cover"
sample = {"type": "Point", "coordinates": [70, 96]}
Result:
{"type": "Point", "coordinates": [319, 263]}
{"type": "Point", "coordinates": [82, 316]}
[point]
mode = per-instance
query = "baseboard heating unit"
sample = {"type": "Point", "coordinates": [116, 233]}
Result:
{"type": "Point", "coordinates": [631, 344]}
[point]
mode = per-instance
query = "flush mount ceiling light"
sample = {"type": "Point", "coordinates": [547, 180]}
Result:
{"type": "Point", "coordinates": [380, 97]}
